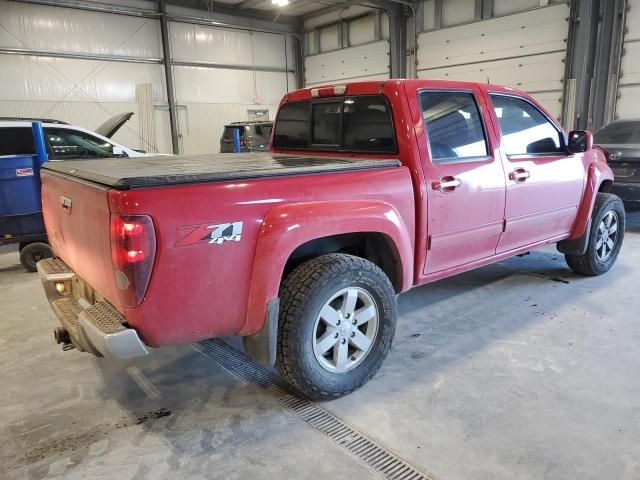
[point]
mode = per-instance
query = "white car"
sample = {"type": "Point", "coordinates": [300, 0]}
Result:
{"type": "Point", "coordinates": [64, 141]}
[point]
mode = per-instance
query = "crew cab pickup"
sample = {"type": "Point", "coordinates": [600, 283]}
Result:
{"type": "Point", "coordinates": [370, 189]}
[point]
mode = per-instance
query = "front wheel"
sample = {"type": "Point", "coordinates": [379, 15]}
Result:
{"type": "Point", "coordinates": [605, 238]}
{"type": "Point", "coordinates": [336, 325]}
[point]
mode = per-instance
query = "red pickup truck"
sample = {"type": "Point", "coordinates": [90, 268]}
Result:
{"type": "Point", "coordinates": [370, 189]}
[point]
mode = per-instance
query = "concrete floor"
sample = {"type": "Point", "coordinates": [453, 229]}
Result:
{"type": "Point", "coordinates": [519, 370]}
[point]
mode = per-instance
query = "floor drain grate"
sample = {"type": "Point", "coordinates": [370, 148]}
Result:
{"type": "Point", "coordinates": [367, 450]}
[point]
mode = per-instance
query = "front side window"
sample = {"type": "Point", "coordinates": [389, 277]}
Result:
{"type": "Point", "coordinates": [525, 129]}
{"type": "Point", "coordinates": [17, 141]}
{"type": "Point", "coordinates": [66, 143]}
{"type": "Point", "coordinates": [350, 124]}
{"type": "Point", "coordinates": [454, 127]}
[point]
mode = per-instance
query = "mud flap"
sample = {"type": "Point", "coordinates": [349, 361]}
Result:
{"type": "Point", "coordinates": [263, 345]}
{"type": "Point", "coordinates": [577, 246]}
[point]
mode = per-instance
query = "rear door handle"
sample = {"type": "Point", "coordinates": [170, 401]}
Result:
{"type": "Point", "coordinates": [519, 175]}
{"type": "Point", "coordinates": [446, 184]}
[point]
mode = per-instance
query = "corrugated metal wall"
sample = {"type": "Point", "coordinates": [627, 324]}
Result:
{"type": "Point", "coordinates": [524, 50]}
{"type": "Point", "coordinates": [87, 92]}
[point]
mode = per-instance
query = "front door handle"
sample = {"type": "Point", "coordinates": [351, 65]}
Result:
{"type": "Point", "coordinates": [446, 184]}
{"type": "Point", "coordinates": [519, 175]}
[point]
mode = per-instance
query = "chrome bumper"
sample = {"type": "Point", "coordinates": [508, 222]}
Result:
{"type": "Point", "coordinates": [92, 327]}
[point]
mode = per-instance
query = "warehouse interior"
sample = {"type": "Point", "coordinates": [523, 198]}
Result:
{"type": "Point", "coordinates": [520, 369]}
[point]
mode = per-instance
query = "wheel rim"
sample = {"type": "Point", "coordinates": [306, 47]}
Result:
{"type": "Point", "coordinates": [345, 329]}
{"type": "Point", "coordinates": [607, 236]}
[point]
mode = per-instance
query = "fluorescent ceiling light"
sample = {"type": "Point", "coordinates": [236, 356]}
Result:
{"type": "Point", "coordinates": [280, 3]}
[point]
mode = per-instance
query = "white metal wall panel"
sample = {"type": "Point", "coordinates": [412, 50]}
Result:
{"type": "Point", "coordinates": [504, 7]}
{"type": "Point", "coordinates": [37, 27]}
{"type": "Point", "coordinates": [524, 51]}
{"type": "Point", "coordinates": [329, 38]}
{"type": "Point", "coordinates": [361, 31]}
{"type": "Point", "coordinates": [429, 8]}
{"type": "Point", "coordinates": [225, 46]}
{"type": "Point", "coordinates": [201, 124]}
{"type": "Point", "coordinates": [364, 61]}
{"type": "Point", "coordinates": [455, 12]}
{"type": "Point", "coordinates": [384, 76]}
{"type": "Point", "coordinates": [628, 102]}
{"type": "Point", "coordinates": [538, 31]}
{"type": "Point", "coordinates": [39, 78]}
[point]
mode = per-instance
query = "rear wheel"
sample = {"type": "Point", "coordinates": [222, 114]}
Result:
{"type": "Point", "coordinates": [605, 239]}
{"type": "Point", "coordinates": [32, 253]}
{"type": "Point", "coordinates": [336, 325]}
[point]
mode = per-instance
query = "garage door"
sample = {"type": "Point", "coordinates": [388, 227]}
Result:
{"type": "Point", "coordinates": [628, 105]}
{"type": "Point", "coordinates": [524, 50]}
{"type": "Point", "coordinates": [365, 58]}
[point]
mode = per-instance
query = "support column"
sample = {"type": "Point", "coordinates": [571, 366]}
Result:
{"type": "Point", "coordinates": [397, 41]}
{"type": "Point", "coordinates": [593, 60]}
{"type": "Point", "coordinates": [168, 72]}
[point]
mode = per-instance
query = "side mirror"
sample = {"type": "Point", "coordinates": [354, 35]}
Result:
{"type": "Point", "coordinates": [580, 141]}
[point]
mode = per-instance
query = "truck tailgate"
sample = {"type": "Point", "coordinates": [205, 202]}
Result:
{"type": "Point", "coordinates": [76, 215]}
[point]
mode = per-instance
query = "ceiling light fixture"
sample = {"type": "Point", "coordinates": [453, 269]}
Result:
{"type": "Point", "coordinates": [280, 3]}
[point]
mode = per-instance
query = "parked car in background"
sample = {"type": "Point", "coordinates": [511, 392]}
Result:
{"type": "Point", "coordinates": [621, 139]}
{"type": "Point", "coordinates": [26, 144]}
{"type": "Point", "coordinates": [246, 137]}
{"type": "Point", "coordinates": [64, 141]}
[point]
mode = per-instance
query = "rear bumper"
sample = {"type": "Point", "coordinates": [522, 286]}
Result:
{"type": "Point", "coordinates": [97, 327]}
{"type": "Point", "coordinates": [628, 192]}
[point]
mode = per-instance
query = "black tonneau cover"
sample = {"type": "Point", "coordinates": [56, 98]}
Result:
{"type": "Point", "coordinates": [137, 172]}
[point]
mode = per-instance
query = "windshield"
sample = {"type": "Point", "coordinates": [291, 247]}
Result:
{"type": "Point", "coordinates": [618, 132]}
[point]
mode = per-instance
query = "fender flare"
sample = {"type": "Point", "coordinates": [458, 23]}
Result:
{"type": "Point", "coordinates": [597, 173]}
{"type": "Point", "coordinates": [286, 227]}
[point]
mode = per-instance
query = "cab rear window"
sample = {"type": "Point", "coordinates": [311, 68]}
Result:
{"type": "Point", "coordinates": [350, 124]}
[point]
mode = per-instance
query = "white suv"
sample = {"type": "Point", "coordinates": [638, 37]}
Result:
{"type": "Point", "coordinates": [64, 141]}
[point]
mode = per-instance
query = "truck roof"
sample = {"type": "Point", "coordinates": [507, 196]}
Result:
{"type": "Point", "coordinates": [127, 173]}
{"type": "Point", "coordinates": [369, 87]}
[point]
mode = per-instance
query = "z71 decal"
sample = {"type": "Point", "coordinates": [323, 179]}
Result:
{"type": "Point", "coordinates": [216, 234]}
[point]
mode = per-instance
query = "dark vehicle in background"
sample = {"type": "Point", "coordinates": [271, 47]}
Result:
{"type": "Point", "coordinates": [621, 139]}
{"type": "Point", "coordinates": [239, 137]}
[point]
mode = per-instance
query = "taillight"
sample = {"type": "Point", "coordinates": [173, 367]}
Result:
{"type": "Point", "coordinates": [133, 250]}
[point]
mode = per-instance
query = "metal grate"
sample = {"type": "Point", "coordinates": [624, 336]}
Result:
{"type": "Point", "coordinates": [367, 450]}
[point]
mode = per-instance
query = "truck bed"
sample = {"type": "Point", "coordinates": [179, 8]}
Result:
{"type": "Point", "coordinates": [127, 173]}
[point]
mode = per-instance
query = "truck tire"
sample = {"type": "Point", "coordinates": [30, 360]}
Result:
{"type": "Point", "coordinates": [336, 324]}
{"type": "Point", "coordinates": [32, 253]}
{"type": "Point", "coordinates": [605, 238]}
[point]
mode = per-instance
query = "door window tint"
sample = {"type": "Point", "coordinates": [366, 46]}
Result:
{"type": "Point", "coordinates": [67, 143]}
{"type": "Point", "coordinates": [525, 129]}
{"type": "Point", "coordinates": [454, 127]}
{"type": "Point", "coordinates": [16, 141]}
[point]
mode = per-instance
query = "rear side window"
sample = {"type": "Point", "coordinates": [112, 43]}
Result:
{"type": "Point", "coordinates": [17, 141]}
{"type": "Point", "coordinates": [350, 124]}
{"type": "Point", "coordinates": [525, 129]}
{"type": "Point", "coordinates": [454, 127]}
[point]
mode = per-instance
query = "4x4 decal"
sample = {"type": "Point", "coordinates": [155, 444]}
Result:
{"type": "Point", "coordinates": [216, 234]}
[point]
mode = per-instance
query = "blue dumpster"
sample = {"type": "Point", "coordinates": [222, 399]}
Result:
{"type": "Point", "coordinates": [20, 203]}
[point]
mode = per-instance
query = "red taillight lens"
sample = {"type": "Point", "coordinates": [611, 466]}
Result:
{"type": "Point", "coordinates": [133, 250]}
